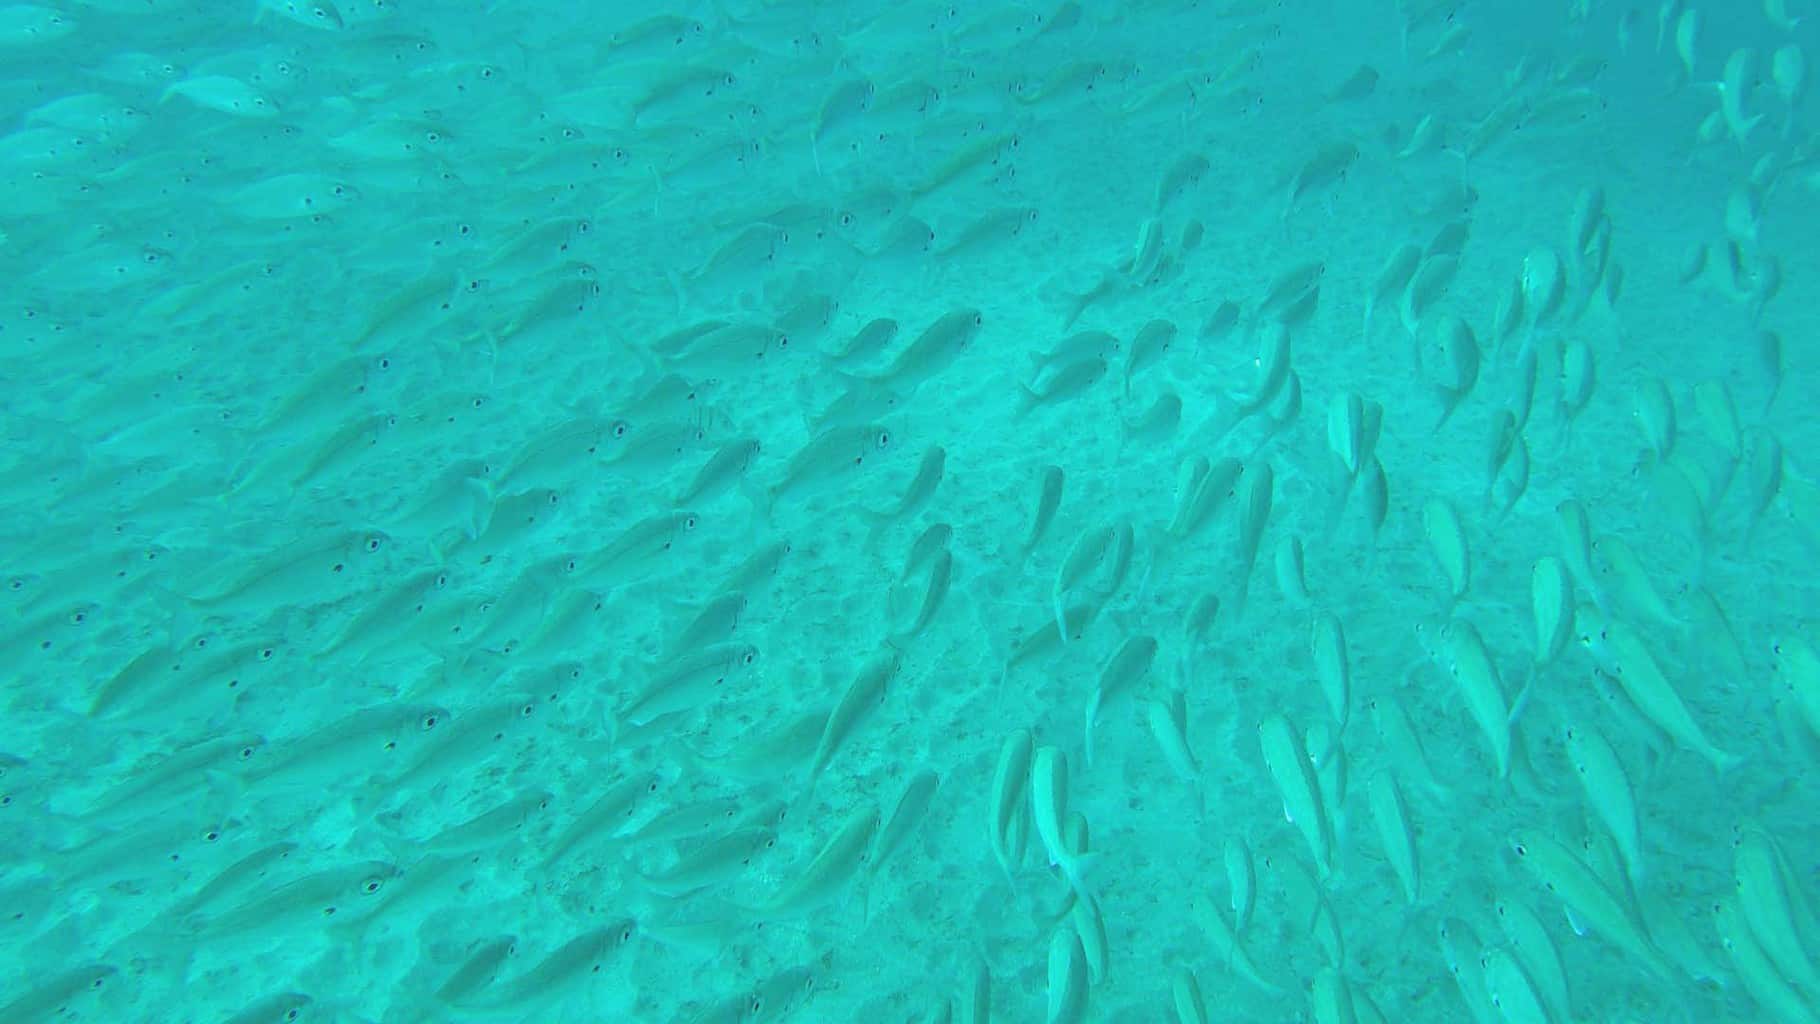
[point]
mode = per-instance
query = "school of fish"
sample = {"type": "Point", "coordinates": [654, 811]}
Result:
{"type": "Point", "coordinates": [1063, 511]}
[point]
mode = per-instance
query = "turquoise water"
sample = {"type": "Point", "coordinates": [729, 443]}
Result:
{"type": "Point", "coordinates": [557, 513]}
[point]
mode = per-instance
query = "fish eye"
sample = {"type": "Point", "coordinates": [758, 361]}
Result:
{"type": "Point", "coordinates": [211, 835]}
{"type": "Point", "coordinates": [748, 657]}
{"type": "Point", "coordinates": [619, 429]}
{"type": "Point", "coordinates": [486, 71]}
{"type": "Point", "coordinates": [689, 522]}
{"type": "Point", "coordinates": [554, 497]}
{"type": "Point", "coordinates": [246, 752]}
{"type": "Point", "coordinates": [78, 617]}
{"type": "Point", "coordinates": [527, 710]}
{"type": "Point", "coordinates": [884, 439]}
{"type": "Point", "coordinates": [429, 721]}
{"type": "Point", "coordinates": [371, 886]}
{"type": "Point", "coordinates": [1522, 851]}
{"type": "Point", "coordinates": [373, 544]}
{"type": "Point", "coordinates": [265, 653]}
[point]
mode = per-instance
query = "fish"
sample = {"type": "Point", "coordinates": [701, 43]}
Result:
{"type": "Point", "coordinates": [284, 1006]}
{"type": "Point", "coordinates": [1327, 167]}
{"type": "Point", "coordinates": [1294, 774]}
{"type": "Point", "coordinates": [933, 351]}
{"type": "Point", "coordinates": [1536, 952]}
{"type": "Point", "coordinates": [1181, 176]}
{"type": "Point", "coordinates": [1061, 384]}
{"type": "Point", "coordinates": [941, 576]}
{"type": "Point", "coordinates": [1185, 998]}
{"type": "Point", "coordinates": [223, 94]}
{"type": "Point", "coordinates": [1075, 348]}
{"type": "Point", "coordinates": [713, 861]}
{"type": "Point", "coordinates": [1010, 782]}
{"type": "Point", "coordinates": [1447, 540]}
{"type": "Point", "coordinates": [1068, 986]}
{"type": "Point", "coordinates": [310, 571]}
{"type": "Point", "coordinates": [1227, 945]}
{"type": "Point", "coordinates": [1241, 881]}
{"type": "Point", "coordinates": [1123, 672]}
{"type": "Point", "coordinates": [1609, 792]}
{"type": "Point", "coordinates": [478, 970]}
{"type": "Point", "coordinates": [1456, 938]}
{"type": "Point", "coordinates": [1049, 499]}
{"type": "Point", "coordinates": [1765, 899]}
{"type": "Point", "coordinates": [68, 991]}
{"type": "Point", "coordinates": [918, 494]}
{"type": "Point", "coordinates": [1327, 644]}
{"type": "Point", "coordinates": [1643, 681]}
{"type": "Point", "coordinates": [605, 818]}
{"type": "Point", "coordinates": [1206, 486]}
{"type": "Point", "coordinates": [1049, 809]}
{"type": "Point", "coordinates": [1512, 992]}
{"type": "Point", "coordinates": [320, 14]}
{"type": "Point", "coordinates": [1168, 721]}
{"type": "Point", "coordinates": [1562, 873]}
{"type": "Point", "coordinates": [1156, 424]}
{"type": "Point", "coordinates": [348, 891]}
{"type": "Point", "coordinates": [1396, 833]}
{"type": "Point", "coordinates": [857, 704]}
{"type": "Point", "coordinates": [639, 550]}
{"type": "Point", "coordinates": [1763, 979]}
{"type": "Point", "coordinates": [866, 344]}
{"type": "Point", "coordinates": [840, 858]}
{"type": "Point", "coordinates": [1468, 661]}
{"type": "Point", "coordinates": [575, 964]}
{"type": "Point", "coordinates": [691, 682]}
{"type": "Point", "coordinates": [366, 742]}
{"type": "Point", "coordinates": [906, 817]}
{"type": "Point", "coordinates": [1257, 486]}
{"type": "Point", "coordinates": [1149, 346]}
{"type": "Point", "coordinates": [831, 457]}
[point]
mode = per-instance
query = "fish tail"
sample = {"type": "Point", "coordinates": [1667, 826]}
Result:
{"type": "Point", "coordinates": [1076, 868]}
